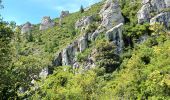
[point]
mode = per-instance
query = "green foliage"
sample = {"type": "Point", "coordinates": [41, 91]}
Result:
{"type": "Point", "coordinates": [105, 56]}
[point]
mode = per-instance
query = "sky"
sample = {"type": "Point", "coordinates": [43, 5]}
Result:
{"type": "Point", "coordinates": [22, 11]}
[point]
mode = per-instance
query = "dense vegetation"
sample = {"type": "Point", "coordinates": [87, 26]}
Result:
{"type": "Point", "coordinates": [140, 72]}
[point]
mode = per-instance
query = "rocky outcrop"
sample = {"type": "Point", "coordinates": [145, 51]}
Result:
{"type": "Point", "coordinates": [151, 8]}
{"type": "Point", "coordinates": [85, 21]}
{"type": "Point", "coordinates": [57, 60]}
{"type": "Point", "coordinates": [161, 18]}
{"type": "Point", "coordinates": [27, 27]}
{"type": "Point", "coordinates": [46, 23]}
{"type": "Point", "coordinates": [64, 14]}
{"type": "Point", "coordinates": [115, 35]}
{"type": "Point", "coordinates": [111, 14]}
{"type": "Point", "coordinates": [144, 13]}
{"type": "Point", "coordinates": [69, 53]}
{"type": "Point", "coordinates": [82, 44]}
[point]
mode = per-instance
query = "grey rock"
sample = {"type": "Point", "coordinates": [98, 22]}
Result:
{"type": "Point", "coordinates": [145, 1]}
{"type": "Point", "coordinates": [27, 27]}
{"type": "Point", "coordinates": [167, 2]}
{"type": "Point", "coordinates": [161, 18]}
{"type": "Point", "coordinates": [83, 43]}
{"type": "Point", "coordinates": [158, 5]}
{"type": "Point", "coordinates": [151, 7]}
{"type": "Point", "coordinates": [144, 13]}
{"type": "Point", "coordinates": [57, 60]}
{"type": "Point", "coordinates": [64, 14]}
{"type": "Point", "coordinates": [86, 20]}
{"type": "Point", "coordinates": [69, 53]}
{"type": "Point", "coordinates": [46, 23]}
{"type": "Point", "coordinates": [115, 35]}
{"type": "Point", "coordinates": [111, 14]}
{"type": "Point", "coordinates": [44, 73]}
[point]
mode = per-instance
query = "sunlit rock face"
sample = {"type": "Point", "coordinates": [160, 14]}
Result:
{"type": "Point", "coordinates": [46, 23]}
{"type": "Point", "coordinates": [111, 14]}
{"type": "Point", "coordinates": [115, 35]}
{"type": "Point", "coordinates": [152, 8]}
{"type": "Point", "coordinates": [27, 27]}
{"type": "Point", "coordinates": [85, 21]}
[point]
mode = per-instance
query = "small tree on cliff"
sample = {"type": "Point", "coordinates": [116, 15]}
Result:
{"type": "Point", "coordinates": [81, 9]}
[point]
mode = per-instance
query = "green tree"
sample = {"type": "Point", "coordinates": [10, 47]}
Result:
{"type": "Point", "coordinates": [81, 9]}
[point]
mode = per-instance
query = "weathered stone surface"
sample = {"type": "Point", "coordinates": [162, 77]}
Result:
{"type": "Point", "coordinates": [144, 13]}
{"type": "Point", "coordinates": [27, 27]}
{"type": "Point", "coordinates": [83, 43]}
{"type": "Point", "coordinates": [57, 60]}
{"type": "Point", "coordinates": [151, 7]}
{"type": "Point", "coordinates": [44, 73]}
{"type": "Point", "coordinates": [161, 18]}
{"type": "Point", "coordinates": [64, 14]}
{"type": "Point", "coordinates": [157, 5]}
{"type": "Point", "coordinates": [167, 2]}
{"type": "Point", "coordinates": [69, 53]}
{"type": "Point", "coordinates": [111, 14]}
{"type": "Point", "coordinates": [86, 20]}
{"type": "Point", "coordinates": [145, 1]}
{"type": "Point", "coordinates": [46, 23]}
{"type": "Point", "coordinates": [115, 35]}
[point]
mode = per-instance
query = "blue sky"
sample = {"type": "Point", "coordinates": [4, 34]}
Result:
{"type": "Point", "coordinates": [22, 11]}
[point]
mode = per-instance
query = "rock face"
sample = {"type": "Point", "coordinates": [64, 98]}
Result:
{"type": "Point", "coordinates": [69, 54]}
{"type": "Point", "coordinates": [144, 13]}
{"type": "Point", "coordinates": [115, 35]}
{"type": "Point", "coordinates": [46, 23]}
{"type": "Point", "coordinates": [64, 14]}
{"type": "Point", "coordinates": [111, 14]}
{"type": "Point", "coordinates": [83, 43]}
{"type": "Point", "coordinates": [86, 20]}
{"type": "Point", "coordinates": [162, 18]}
{"type": "Point", "coordinates": [151, 7]}
{"type": "Point", "coordinates": [27, 27]}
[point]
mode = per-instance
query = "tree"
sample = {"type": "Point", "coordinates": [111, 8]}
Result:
{"type": "Point", "coordinates": [106, 56]}
{"type": "Point", "coordinates": [6, 78]}
{"type": "Point", "coordinates": [81, 9]}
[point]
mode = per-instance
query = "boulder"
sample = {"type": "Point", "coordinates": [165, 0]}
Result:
{"type": "Point", "coordinates": [86, 20]}
{"type": "Point", "coordinates": [111, 14]}
{"type": "Point", "coordinates": [115, 35]}
{"type": "Point", "coordinates": [27, 27]}
{"type": "Point", "coordinates": [161, 18]}
{"type": "Point", "coordinates": [46, 23]}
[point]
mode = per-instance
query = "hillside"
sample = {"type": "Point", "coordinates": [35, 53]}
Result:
{"type": "Point", "coordinates": [113, 50]}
